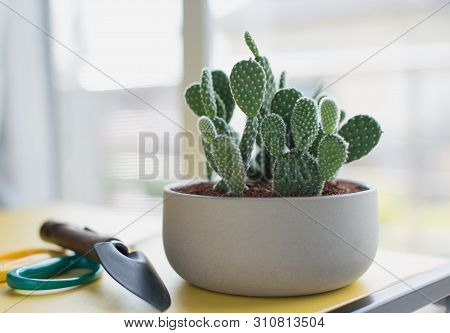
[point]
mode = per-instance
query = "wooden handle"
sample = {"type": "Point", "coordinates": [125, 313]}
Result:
{"type": "Point", "coordinates": [73, 238]}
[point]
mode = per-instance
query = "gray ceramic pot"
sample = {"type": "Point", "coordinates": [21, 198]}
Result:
{"type": "Point", "coordinates": [270, 246]}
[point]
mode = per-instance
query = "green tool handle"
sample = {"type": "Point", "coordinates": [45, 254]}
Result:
{"type": "Point", "coordinates": [77, 239]}
{"type": "Point", "coordinates": [42, 276]}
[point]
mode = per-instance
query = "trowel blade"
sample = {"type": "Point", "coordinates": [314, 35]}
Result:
{"type": "Point", "coordinates": [134, 272]}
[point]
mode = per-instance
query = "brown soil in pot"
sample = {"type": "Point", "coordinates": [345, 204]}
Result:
{"type": "Point", "coordinates": [263, 190]}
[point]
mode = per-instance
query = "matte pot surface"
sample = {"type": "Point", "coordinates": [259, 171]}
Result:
{"type": "Point", "coordinates": [270, 246]}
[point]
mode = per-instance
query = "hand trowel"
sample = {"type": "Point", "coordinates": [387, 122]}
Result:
{"type": "Point", "coordinates": [130, 269]}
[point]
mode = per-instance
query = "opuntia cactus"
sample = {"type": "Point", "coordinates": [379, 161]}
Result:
{"type": "Point", "coordinates": [301, 142]}
{"type": "Point", "coordinates": [329, 114]}
{"type": "Point", "coordinates": [331, 155]}
{"type": "Point", "coordinates": [221, 85]}
{"type": "Point", "coordinates": [273, 132]}
{"type": "Point", "coordinates": [248, 140]}
{"type": "Point", "coordinates": [296, 173]}
{"type": "Point", "coordinates": [283, 103]}
{"type": "Point", "coordinates": [362, 134]}
{"type": "Point", "coordinates": [304, 123]}
{"type": "Point", "coordinates": [247, 82]}
{"type": "Point", "coordinates": [283, 80]}
{"type": "Point", "coordinates": [208, 95]}
{"type": "Point", "coordinates": [229, 163]}
{"type": "Point", "coordinates": [270, 87]}
{"type": "Point", "coordinates": [207, 128]}
{"type": "Point", "coordinates": [193, 98]}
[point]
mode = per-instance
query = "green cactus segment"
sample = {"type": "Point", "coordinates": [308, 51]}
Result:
{"type": "Point", "coordinates": [266, 164]}
{"type": "Point", "coordinates": [331, 156]}
{"type": "Point", "coordinates": [207, 128]}
{"type": "Point", "coordinates": [193, 97]}
{"type": "Point", "coordinates": [248, 82]}
{"type": "Point", "coordinates": [300, 142]}
{"type": "Point", "coordinates": [296, 174]}
{"type": "Point", "coordinates": [208, 95]}
{"type": "Point", "coordinates": [329, 114]}
{"type": "Point", "coordinates": [221, 186]}
{"type": "Point", "coordinates": [221, 110]}
{"type": "Point", "coordinates": [283, 103]}
{"type": "Point", "coordinates": [234, 135]}
{"type": "Point", "coordinates": [270, 85]}
{"type": "Point", "coordinates": [207, 148]}
{"type": "Point", "coordinates": [342, 116]}
{"type": "Point", "coordinates": [229, 164]}
{"type": "Point", "coordinates": [248, 140]}
{"type": "Point", "coordinates": [251, 44]}
{"type": "Point", "coordinates": [314, 149]}
{"type": "Point", "coordinates": [304, 123]}
{"type": "Point", "coordinates": [221, 126]}
{"type": "Point", "coordinates": [283, 80]}
{"type": "Point", "coordinates": [273, 133]}
{"type": "Point", "coordinates": [209, 171]}
{"type": "Point", "coordinates": [362, 134]}
{"type": "Point", "coordinates": [221, 85]}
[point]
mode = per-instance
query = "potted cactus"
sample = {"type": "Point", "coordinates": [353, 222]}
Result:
{"type": "Point", "coordinates": [276, 222]}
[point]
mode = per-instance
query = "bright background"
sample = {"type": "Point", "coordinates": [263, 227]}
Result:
{"type": "Point", "coordinates": [69, 129]}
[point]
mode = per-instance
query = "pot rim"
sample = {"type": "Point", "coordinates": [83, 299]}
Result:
{"type": "Point", "coordinates": [169, 188]}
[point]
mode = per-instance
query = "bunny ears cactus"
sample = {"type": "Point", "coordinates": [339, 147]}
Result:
{"type": "Point", "coordinates": [300, 142]}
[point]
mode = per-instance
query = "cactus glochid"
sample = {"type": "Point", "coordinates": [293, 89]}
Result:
{"type": "Point", "coordinates": [301, 142]}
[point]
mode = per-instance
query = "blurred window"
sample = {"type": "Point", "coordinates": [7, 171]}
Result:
{"type": "Point", "coordinates": [132, 49]}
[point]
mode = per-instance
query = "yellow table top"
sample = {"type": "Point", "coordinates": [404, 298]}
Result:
{"type": "Point", "coordinates": [19, 229]}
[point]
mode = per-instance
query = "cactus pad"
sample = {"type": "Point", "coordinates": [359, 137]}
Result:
{"type": "Point", "coordinates": [207, 148]}
{"type": "Point", "coordinates": [208, 95]}
{"type": "Point", "coordinates": [221, 126]}
{"type": "Point", "coordinates": [248, 140]}
{"type": "Point", "coordinates": [209, 171]}
{"type": "Point", "coordinates": [314, 149]}
{"type": "Point", "coordinates": [221, 85]}
{"type": "Point", "coordinates": [251, 44]}
{"type": "Point", "coordinates": [331, 156]}
{"type": "Point", "coordinates": [229, 163]}
{"type": "Point", "coordinates": [270, 85]}
{"type": "Point", "coordinates": [342, 115]}
{"type": "Point", "coordinates": [193, 99]}
{"type": "Point", "coordinates": [273, 133]}
{"type": "Point", "coordinates": [248, 82]}
{"type": "Point", "coordinates": [362, 134]}
{"type": "Point", "coordinates": [221, 110]}
{"type": "Point", "coordinates": [296, 174]}
{"type": "Point", "coordinates": [283, 80]}
{"type": "Point", "coordinates": [283, 103]}
{"type": "Point", "coordinates": [207, 128]}
{"type": "Point", "coordinates": [329, 114]}
{"type": "Point", "coordinates": [234, 135]}
{"type": "Point", "coordinates": [304, 123]}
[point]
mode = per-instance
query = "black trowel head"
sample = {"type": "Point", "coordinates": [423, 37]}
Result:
{"type": "Point", "coordinates": [135, 273]}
